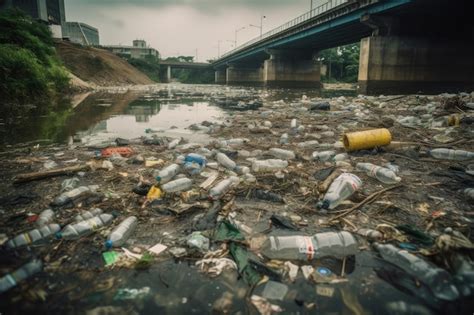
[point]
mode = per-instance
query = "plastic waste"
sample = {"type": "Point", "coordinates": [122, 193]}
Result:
{"type": "Point", "coordinates": [196, 158]}
{"type": "Point", "coordinates": [74, 194]}
{"type": "Point", "coordinates": [132, 294]}
{"type": "Point", "coordinates": [173, 144]}
{"type": "Point", "coordinates": [77, 230]}
{"type": "Point", "coordinates": [298, 247]}
{"type": "Point", "coordinates": [166, 174]}
{"type": "Point", "coordinates": [284, 139]}
{"type": "Point", "coordinates": [367, 139]}
{"type": "Point", "coordinates": [294, 124]}
{"type": "Point", "coordinates": [233, 142]}
{"type": "Point", "coordinates": [222, 187]}
{"type": "Point", "coordinates": [383, 174]}
{"type": "Point", "coordinates": [123, 151]}
{"type": "Point", "coordinates": [453, 155]}
{"type": "Point", "coordinates": [177, 185]}
{"type": "Point", "coordinates": [122, 232]}
{"type": "Point", "coordinates": [225, 161]}
{"type": "Point", "coordinates": [86, 215]}
{"type": "Point", "coordinates": [10, 280]}
{"type": "Point", "coordinates": [197, 240]}
{"type": "Point", "coordinates": [403, 308]}
{"type": "Point", "coordinates": [320, 106]}
{"type": "Point", "coordinates": [371, 235]}
{"type": "Point", "coordinates": [340, 157]}
{"type": "Point", "coordinates": [469, 192]}
{"type": "Point", "coordinates": [154, 193]}
{"type": "Point", "coordinates": [50, 165]}
{"type": "Point", "coordinates": [339, 190]}
{"type": "Point", "coordinates": [323, 156]}
{"type": "Point", "coordinates": [275, 290]}
{"type": "Point", "coordinates": [269, 165]}
{"type": "Point", "coordinates": [437, 279]}
{"type": "Point", "coordinates": [312, 144]}
{"type": "Point", "coordinates": [45, 217]}
{"type": "Point", "coordinates": [69, 184]}
{"type": "Point", "coordinates": [282, 154]}
{"type": "Point", "coordinates": [34, 236]}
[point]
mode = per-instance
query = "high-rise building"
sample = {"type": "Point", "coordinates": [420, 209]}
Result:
{"type": "Point", "coordinates": [50, 11]}
{"type": "Point", "coordinates": [81, 33]}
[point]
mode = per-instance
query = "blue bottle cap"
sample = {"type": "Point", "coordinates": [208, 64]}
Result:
{"type": "Point", "coordinates": [108, 244]}
{"type": "Point", "coordinates": [158, 178]}
{"type": "Point", "coordinates": [323, 271]}
{"type": "Point", "coordinates": [58, 235]}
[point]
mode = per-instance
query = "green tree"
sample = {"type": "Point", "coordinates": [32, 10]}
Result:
{"type": "Point", "coordinates": [342, 63]}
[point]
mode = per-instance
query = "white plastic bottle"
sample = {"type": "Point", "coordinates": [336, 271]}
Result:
{"type": "Point", "coordinates": [284, 139]}
{"type": "Point", "coordinates": [45, 217]}
{"type": "Point", "coordinates": [311, 144]}
{"type": "Point", "coordinates": [74, 194]}
{"type": "Point", "coordinates": [371, 235]}
{"type": "Point", "coordinates": [323, 156]}
{"type": "Point", "coordinates": [282, 154]}
{"type": "Point", "coordinates": [339, 190]}
{"type": "Point", "coordinates": [165, 175]}
{"type": "Point", "coordinates": [177, 185]}
{"type": "Point", "coordinates": [222, 187]}
{"type": "Point", "coordinates": [173, 144]}
{"type": "Point", "coordinates": [269, 165]}
{"type": "Point", "coordinates": [383, 174]}
{"type": "Point", "coordinates": [453, 155]}
{"type": "Point", "coordinates": [298, 247]}
{"type": "Point", "coordinates": [10, 280]}
{"type": "Point", "coordinates": [86, 215]}
{"type": "Point", "coordinates": [34, 236]}
{"type": "Point", "coordinates": [294, 124]}
{"type": "Point", "coordinates": [122, 232]}
{"type": "Point", "coordinates": [77, 230]}
{"type": "Point", "coordinates": [225, 161]}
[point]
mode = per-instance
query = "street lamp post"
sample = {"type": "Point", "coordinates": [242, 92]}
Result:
{"type": "Point", "coordinates": [261, 24]}
{"type": "Point", "coordinates": [235, 33]}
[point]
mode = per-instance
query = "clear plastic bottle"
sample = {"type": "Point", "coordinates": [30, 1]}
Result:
{"type": "Point", "coordinates": [233, 142]}
{"type": "Point", "coordinates": [340, 157]}
{"type": "Point", "coordinates": [437, 279]}
{"type": "Point", "coordinates": [294, 124]}
{"type": "Point", "coordinates": [222, 187]}
{"type": "Point", "coordinates": [86, 215]}
{"type": "Point", "coordinates": [173, 144]}
{"type": "Point", "coordinates": [77, 230]}
{"type": "Point", "coordinates": [453, 155]}
{"type": "Point", "coordinates": [298, 247]}
{"type": "Point", "coordinates": [242, 170]}
{"type": "Point", "coordinates": [269, 165]}
{"type": "Point", "coordinates": [45, 217]}
{"type": "Point", "coordinates": [382, 174]}
{"type": "Point", "coordinates": [74, 194]}
{"type": "Point", "coordinates": [177, 185]}
{"type": "Point", "coordinates": [323, 156]}
{"type": "Point", "coordinates": [10, 280]}
{"type": "Point", "coordinates": [339, 190]}
{"type": "Point", "coordinates": [282, 154]}
{"type": "Point", "coordinates": [371, 235]}
{"type": "Point", "coordinates": [311, 144]}
{"type": "Point", "coordinates": [165, 175]}
{"type": "Point", "coordinates": [122, 232]}
{"type": "Point", "coordinates": [284, 139]}
{"type": "Point", "coordinates": [225, 161]}
{"type": "Point", "coordinates": [34, 236]}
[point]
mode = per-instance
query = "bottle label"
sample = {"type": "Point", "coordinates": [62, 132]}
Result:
{"type": "Point", "coordinates": [306, 247]}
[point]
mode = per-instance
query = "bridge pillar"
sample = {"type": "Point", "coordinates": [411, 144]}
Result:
{"type": "Point", "coordinates": [168, 74]}
{"type": "Point", "coordinates": [398, 65]}
{"type": "Point", "coordinates": [292, 69]}
{"type": "Point", "coordinates": [244, 75]}
{"type": "Point", "coordinates": [220, 76]}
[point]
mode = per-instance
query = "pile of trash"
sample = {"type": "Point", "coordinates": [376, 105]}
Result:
{"type": "Point", "coordinates": [295, 200]}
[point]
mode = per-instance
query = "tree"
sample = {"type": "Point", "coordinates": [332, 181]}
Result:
{"type": "Point", "coordinates": [342, 63]}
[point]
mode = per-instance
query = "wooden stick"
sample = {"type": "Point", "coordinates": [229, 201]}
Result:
{"type": "Point", "coordinates": [28, 177]}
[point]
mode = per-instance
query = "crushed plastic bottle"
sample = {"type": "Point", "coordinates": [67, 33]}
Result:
{"type": "Point", "coordinates": [294, 124]}
{"type": "Point", "coordinates": [269, 165]}
{"type": "Point", "coordinates": [453, 155]}
{"type": "Point", "coordinates": [77, 230]}
{"type": "Point", "coordinates": [121, 233]}
{"type": "Point", "coordinates": [194, 163]}
{"type": "Point", "coordinates": [45, 217]}
{"type": "Point", "coordinates": [177, 185]}
{"type": "Point", "coordinates": [284, 139]}
{"type": "Point", "coordinates": [339, 190]}
{"type": "Point", "coordinates": [34, 236]}
{"type": "Point", "coordinates": [382, 174]}
{"type": "Point", "coordinates": [323, 156]}
{"type": "Point", "coordinates": [166, 174]}
{"type": "Point", "coordinates": [371, 235]}
{"type": "Point", "coordinates": [222, 187]}
{"type": "Point", "coordinates": [69, 184]}
{"type": "Point", "coordinates": [438, 280]}
{"type": "Point", "coordinates": [282, 154]}
{"type": "Point", "coordinates": [74, 194]}
{"type": "Point", "coordinates": [298, 247]}
{"type": "Point", "coordinates": [173, 144]}
{"type": "Point", "coordinates": [86, 215]}
{"type": "Point", "coordinates": [10, 280]}
{"type": "Point", "coordinates": [225, 161]}
{"type": "Point", "coordinates": [233, 142]}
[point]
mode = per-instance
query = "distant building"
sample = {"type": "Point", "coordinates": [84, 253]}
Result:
{"type": "Point", "coordinates": [139, 50]}
{"type": "Point", "coordinates": [81, 33]}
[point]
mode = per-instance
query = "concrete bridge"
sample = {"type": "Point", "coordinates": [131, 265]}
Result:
{"type": "Point", "coordinates": [405, 46]}
{"type": "Point", "coordinates": [182, 65]}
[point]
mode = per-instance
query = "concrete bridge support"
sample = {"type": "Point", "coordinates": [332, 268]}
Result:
{"type": "Point", "coordinates": [292, 69]}
{"type": "Point", "coordinates": [397, 64]}
{"type": "Point", "coordinates": [244, 75]}
{"type": "Point", "coordinates": [220, 76]}
{"type": "Point", "coordinates": [168, 74]}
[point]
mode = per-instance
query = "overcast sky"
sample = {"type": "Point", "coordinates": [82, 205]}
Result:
{"type": "Point", "coordinates": [179, 27]}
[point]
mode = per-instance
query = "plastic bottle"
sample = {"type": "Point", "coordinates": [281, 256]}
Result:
{"type": "Point", "coordinates": [165, 175]}
{"type": "Point", "coordinates": [282, 154]}
{"type": "Point", "coordinates": [403, 308]}
{"type": "Point", "coordinates": [34, 236]}
{"type": "Point", "coordinates": [323, 156]}
{"type": "Point", "coordinates": [10, 280]}
{"type": "Point", "coordinates": [294, 124]}
{"type": "Point", "coordinates": [74, 194]}
{"type": "Point", "coordinates": [312, 144]}
{"type": "Point", "coordinates": [77, 230]}
{"type": "Point", "coordinates": [298, 247]}
{"type": "Point", "coordinates": [45, 217]}
{"type": "Point", "coordinates": [339, 190]}
{"type": "Point", "coordinates": [453, 155]}
{"type": "Point", "coordinates": [383, 174]}
{"type": "Point", "coordinates": [122, 232]}
{"type": "Point", "coordinates": [173, 144]}
{"type": "Point", "coordinates": [225, 161]}
{"type": "Point", "coordinates": [438, 280]}
{"type": "Point", "coordinates": [284, 139]}
{"type": "Point", "coordinates": [177, 185]}
{"type": "Point", "coordinates": [371, 235]}
{"type": "Point", "coordinates": [233, 142]}
{"type": "Point", "coordinates": [196, 158]}
{"type": "Point", "coordinates": [86, 215]}
{"type": "Point", "coordinates": [269, 165]}
{"type": "Point", "coordinates": [222, 187]}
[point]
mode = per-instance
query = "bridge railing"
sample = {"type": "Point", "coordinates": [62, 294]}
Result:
{"type": "Point", "coordinates": [302, 18]}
